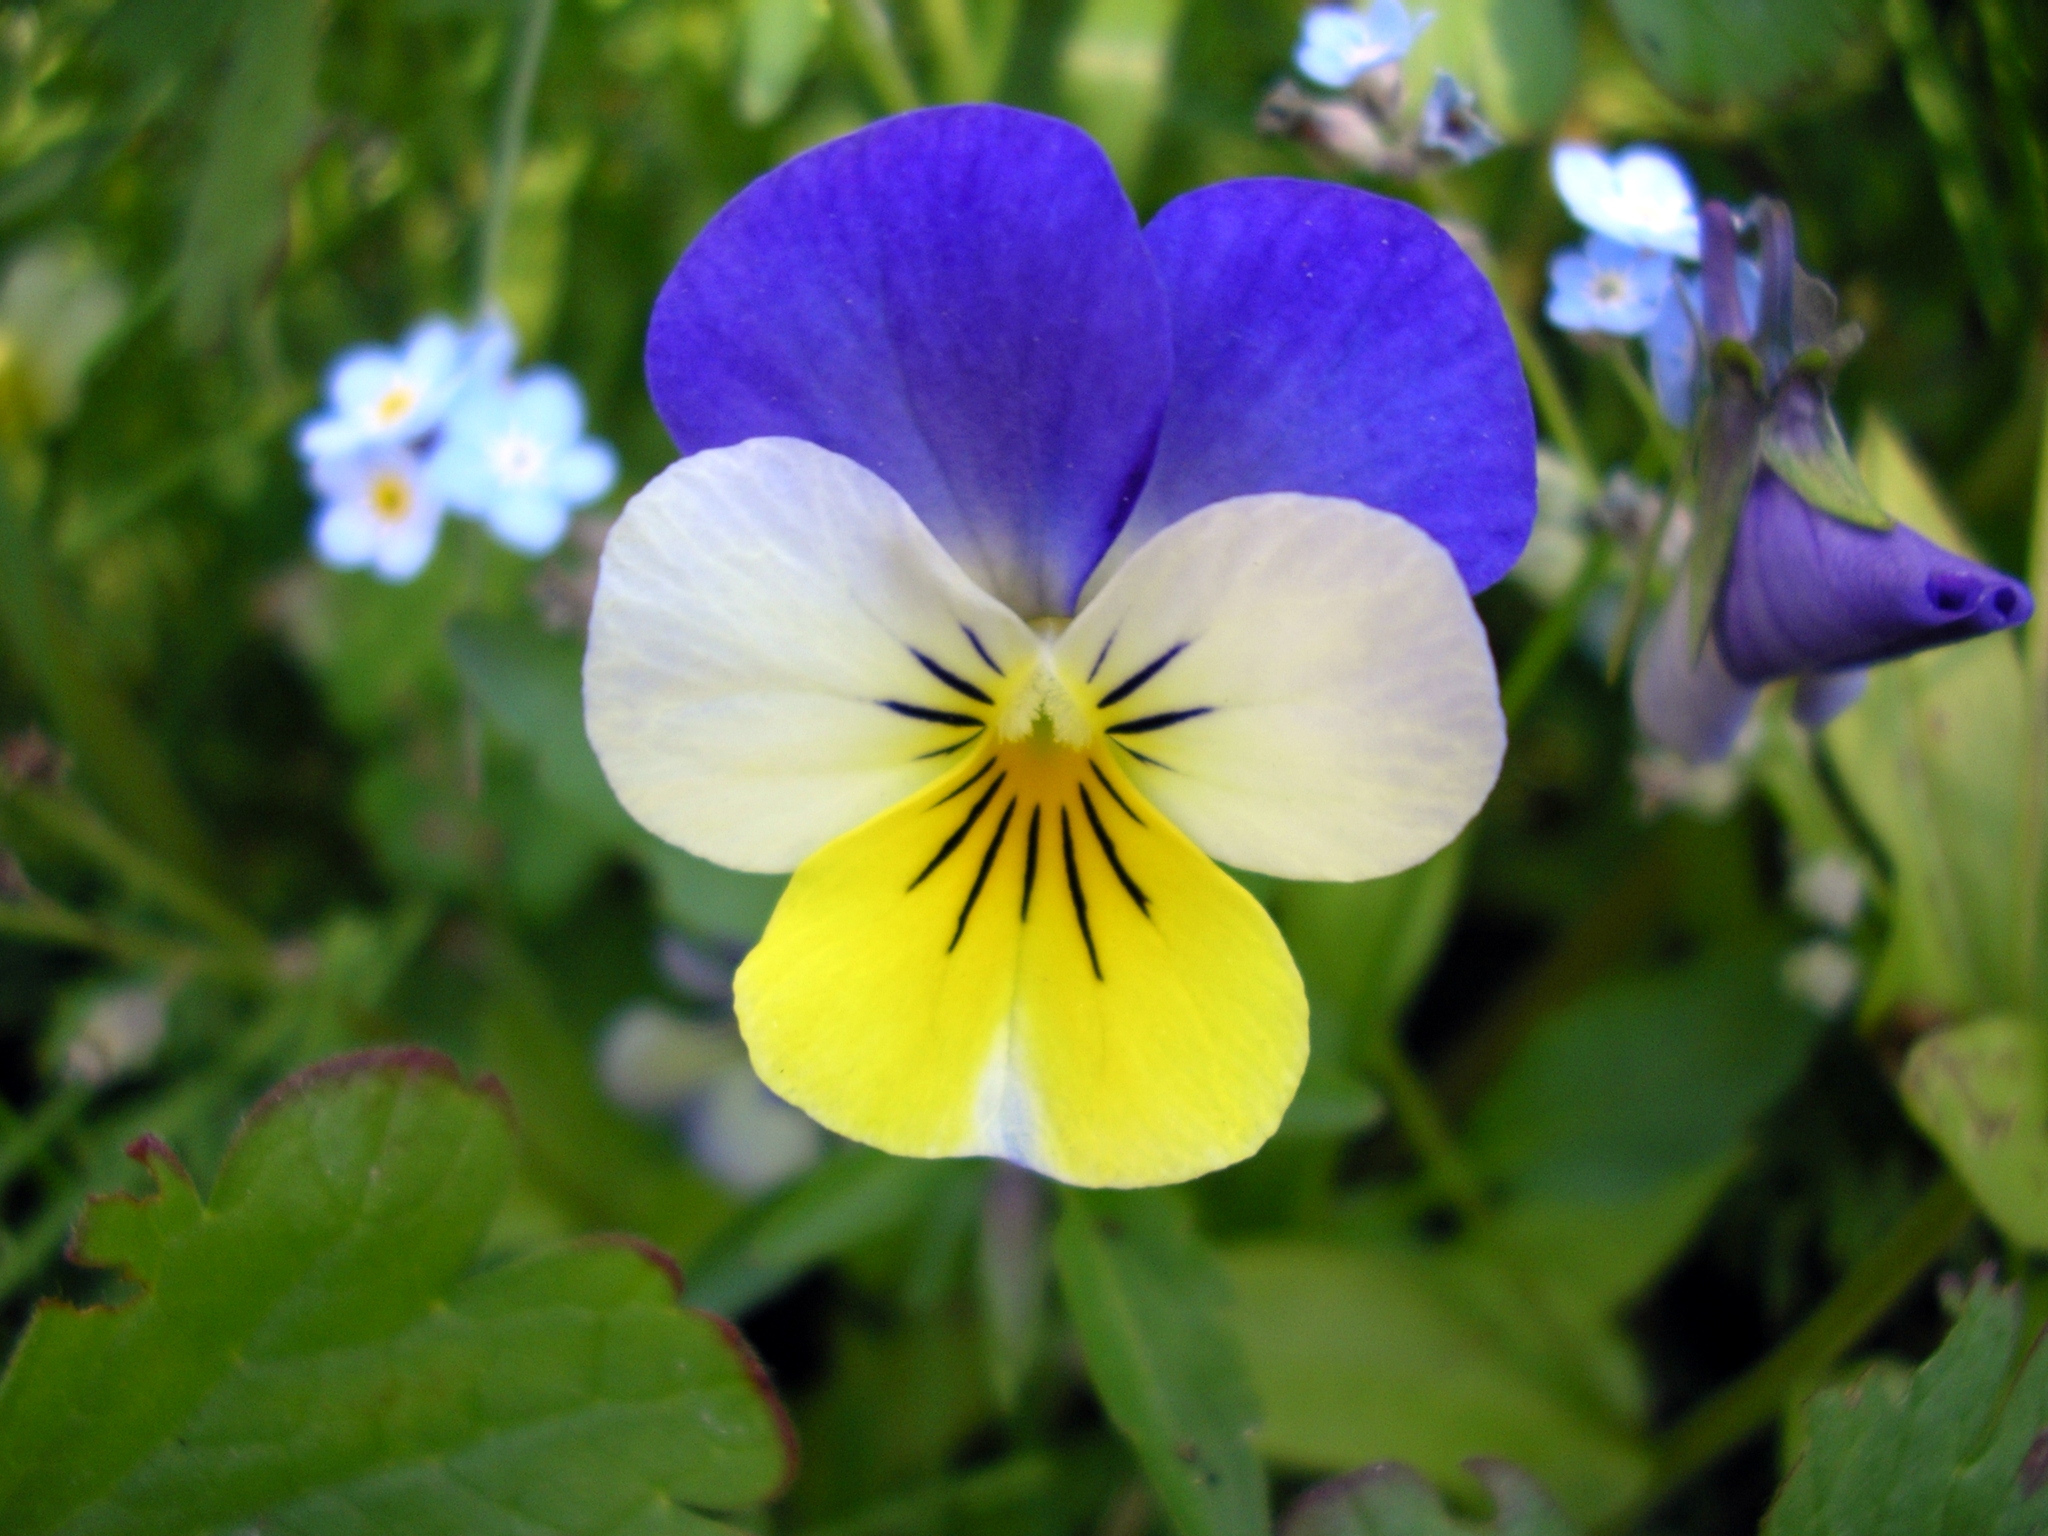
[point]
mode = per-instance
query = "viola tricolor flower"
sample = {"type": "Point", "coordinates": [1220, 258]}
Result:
{"type": "Point", "coordinates": [377, 512]}
{"type": "Point", "coordinates": [1339, 43]}
{"type": "Point", "coordinates": [1795, 572]}
{"type": "Point", "coordinates": [515, 456]}
{"type": "Point", "coordinates": [1640, 197]}
{"type": "Point", "coordinates": [1021, 563]}
{"type": "Point", "coordinates": [1607, 286]}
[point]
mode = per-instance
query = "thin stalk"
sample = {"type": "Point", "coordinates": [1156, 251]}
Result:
{"type": "Point", "coordinates": [1542, 651]}
{"type": "Point", "coordinates": [513, 115]}
{"type": "Point", "coordinates": [1552, 404]}
{"type": "Point", "coordinates": [1867, 1293]}
{"type": "Point", "coordinates": [999, 31]}
{"type": "Point", "coordinates": [1669, 445]}
{"type": "Point", "coordinates": [50, 1119]}
{"type": "Point", "coordinates": [952, 40]}
{"type": "Point", "coordinates": [69, 820]}
{"type": "Point", "coordinates": [873, 41]}
{"type": "Point", "coordinates": [1427, 1129]}
{"type": "Point", "coordinates": [1638, 592]}
{"type": "Point", "coordinates": [45, 922]}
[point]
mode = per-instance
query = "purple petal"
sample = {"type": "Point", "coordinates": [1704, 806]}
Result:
{"type": "Point", "coordinates": [1689, 704]}
{"type": "Point", "coordinates": [1806, 592]}
{"type": "Point", "coordinates": [958, 299]}
{"type": "Point", "coordinates": [1336, 343]}
{"type": "Point", "coordinates": [1820, 696]}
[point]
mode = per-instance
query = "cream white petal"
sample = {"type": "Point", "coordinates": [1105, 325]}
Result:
{"type": "Point", "coordinates": [1299, 682]}
{"type": "Point", "coordinates": [770, 650]}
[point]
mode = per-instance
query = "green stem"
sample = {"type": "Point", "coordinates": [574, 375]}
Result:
{"type": "Point", "coordinates": [952, 40]}
{"type": "Point", "coordinates": [1639, 586]}
{"type": "Point", "coordinates": [52, 1117]}
{"type": "Point", "coordinates": [1547, 645]}
{"type": "Point", "coordinates": [1669, 445]}
{"type": "Point", "coordinates": [69, 820]}
{"type": "Point", "coordinates": [513, 115]}
{"type": "Point", "coordinates": [45, 922]}
{"type": "Point", "coordinates": [1867, 1293]}
{"type": "Point", "coordinates": [999, 31]}
{"type": "Point", "coordinates": [1553, 405]}
{"type": "Point", "coordinates": [873, 41]}
{"type": "Point", "coordinates": [1426, 1128]}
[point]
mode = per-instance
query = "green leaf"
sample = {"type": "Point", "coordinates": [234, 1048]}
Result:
{"type": "Point", "coordinates": [1947, 1451]}
{"type": "Point", "coordinates": [1114, 73]}
{"type": "Point", "coordinates": [1390, 1500]}
{"type": "Point", "coordinates": [1708, 52]}
{"type": "Point", "coordinates": [1520, 57]}
{"type": "Point", "coordinates": [779, 41]}
{"type": "Point", "coordinates": [261, 120]}
{"type": "Point", "coordinates": [1980, 1092]}
{"type": "Point", "coordinates": [1150, 1306]}
{"type": "Point", "coordinates": [1363, 1355]}
{"type": "Point", "coordinates": [307, 1353]}
{"type": "Point", "coordinates": [850, 1197]}
{"type": "Point", "coordinates": [1934, 757]}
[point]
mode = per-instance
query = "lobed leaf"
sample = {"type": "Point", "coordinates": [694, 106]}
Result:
{"type": "Point", "coordinates": [307, 1354]}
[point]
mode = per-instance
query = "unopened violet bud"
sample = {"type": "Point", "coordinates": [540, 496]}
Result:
{"type": "Point", "coordinates": [1806, 592]}
{"type": "Point", "coordinates": [1686, 701]}
{"type": "Point", "coordinates": [1820, 696]}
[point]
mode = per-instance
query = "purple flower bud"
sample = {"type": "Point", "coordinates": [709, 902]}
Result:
{"type": "Point", "coordinates": [1806, 592]}
{"type": "Point", "coordinates": [1685, 702]}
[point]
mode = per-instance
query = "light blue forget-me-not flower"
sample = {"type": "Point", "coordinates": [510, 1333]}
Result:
{"type": "Point", "coordinates": [515, 456]}
{"type": "Point", "coordinates": [1641, 196]}
{"type": "Point", "coordinates": [1339, 43]}
{"type": "Point", "coordinates": [379, 396]}
{"type": "Point", "coordinates": [1672, 340]}
{"type": "Point", "coordinates": [1607, 286]}
{"type": "Point", "coordinates": [376, 512]}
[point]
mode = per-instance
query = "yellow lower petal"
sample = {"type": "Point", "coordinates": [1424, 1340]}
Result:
{"type": "Point", "coordinates": [1027, 960]}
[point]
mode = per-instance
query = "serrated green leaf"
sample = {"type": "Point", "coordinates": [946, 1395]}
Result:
{"type": "Point", "coordinates": [307, 1355]}
{"type": "Point", "coordinates": [779, 40]}
{"type": "Point", "coordinates": [1150, 1306]}
{"type": "Point", "coordinates": [1980, 1092]}
{"type": "Point", "coordinates": [258, 131]}
{"type": "Point", "coordinates": [1950, 1451]}
{"type": "Point", "coordinates": [1520, 57]}
{"type": "Point", "coordinates": [1361, 1355]}
{"type": "Point", "coordinates": [1114, 69]}
{"type": "Point", "coordinates": [1708, 52]}
{"type": "Point", "coordinates": [1391, 1500]}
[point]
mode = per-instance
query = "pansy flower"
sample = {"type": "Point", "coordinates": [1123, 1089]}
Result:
{"type": "Point", "coordinates": [515, 456]}
{"type": "Point", "coordinates": [377, 511]}
{"type": "Point", "coordinates": [1795, 572]}
{"type": "Point", "coordinates": [1339, 43]}
{"type": "Point", "coordinates": [1022, 564]}
{"type": "Point", "coordinates": [378, 396]}
{"type": "Point", "coordinates": [1639, 197]}
{"type": "Point", "coordinates": [1607, 286]}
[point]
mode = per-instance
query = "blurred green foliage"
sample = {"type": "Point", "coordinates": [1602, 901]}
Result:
{"type": "Point", "coordinates": [1576, 1179]}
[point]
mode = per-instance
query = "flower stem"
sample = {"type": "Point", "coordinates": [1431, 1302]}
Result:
{"type": "Point", "coordinates": [45, 922]}
{"type": "Point", "coordinates": [873, 41]}
{"type": "Point", "coordinates": [1670, 447]}
{"type": "Point", "coordinates": [1757, 1398]}
{"type": "Point", "coordinates": [1544, 648]}
{"type": "Point", "coordinates": [945, 23]}
{"type": "Point", "coordinates": [513, 115]}
{"type": "Point", "coordinates": [1553, 405]}
{"type": "Point", "coordinates": [50, 1120]}
{"type": "Point", "coordinates": [1426, 1128]}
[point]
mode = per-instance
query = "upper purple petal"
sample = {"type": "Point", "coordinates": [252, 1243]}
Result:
{"type": "Point", "coordinates": [1337, 343]}
{"type": "Point", "coordinates": [960, 300]}
{"type": "Point", "coordinates": [1806, 592]}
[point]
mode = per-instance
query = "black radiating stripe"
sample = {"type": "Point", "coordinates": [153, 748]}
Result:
{"type": "Point", "coordinates": [981, 875]}
{"type": "Point", "coordinates": [1146, 723]}
{"type": "Point", "coordinates": [962, 788]}
{"type": "Point", "coordinates": [1101, 656]}
{"type": "Point", "coordinates": [949, 751]}
{"type": "Point", "coordinates": [1123, 875]}
{"type": "Point", "coordinates": [946, 849]}
{"type": "Point", "coordinates": [1074, 890]}
{"type": "Point", "coordinates": [919, 712]}
{"type": "Point", "coordinates": [1030, 868]}
{"type": "Point", "coordinates": [1141, 757]}
{"type": "Point", "coordinates": [1140, 678]}
{"type": "Point", "coordinates": [981, 650]}
{"type": "Point", "coordinates": [1119, 799]}
{"type": "Point", "coordinates": [952, 680]}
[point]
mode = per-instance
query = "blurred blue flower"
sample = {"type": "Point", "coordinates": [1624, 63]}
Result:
{"type": "Point", "coordinates": [378, 396]}
{"type": "Point", "coordinates": [1673, 338]}
{"type": "Point", "coordinates": [1607, 286]}
{"type": "Point", "coordinates": [377, 512]}
{"type": "Point", "coordinates": [515, 456]}
{"type": "Point", "coordinates": [1338, 43]}
{"type": "Point", "coordinates": [1640, 197]}
{"type": "Point", "coordinates": [1451, 124]}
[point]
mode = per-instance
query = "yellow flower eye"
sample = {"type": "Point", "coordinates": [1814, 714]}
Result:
{"type": "Point", "coordinates": [390, 497]}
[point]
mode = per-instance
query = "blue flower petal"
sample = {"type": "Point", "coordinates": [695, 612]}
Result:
{"type": "Point", "coordinates": [547, 405]}
{"type": "Point", "coordinates": [583, 471]}
{"type": "Point", "coordinates": [957, 298]}
{"type": "Point", "coordinates": [1333, 342]}
{"type": "Point", "coordinates": [1685, 702]}
{"type": "Point", "coordinates": [531, 522]}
